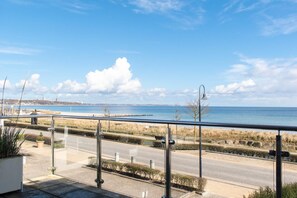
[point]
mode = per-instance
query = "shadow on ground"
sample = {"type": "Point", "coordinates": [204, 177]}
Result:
{"type": "Point", "coordinates": [55, 186]}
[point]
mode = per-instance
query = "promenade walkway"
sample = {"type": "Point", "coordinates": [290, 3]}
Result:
{"type": "Point", "coordinates": [79, 182]}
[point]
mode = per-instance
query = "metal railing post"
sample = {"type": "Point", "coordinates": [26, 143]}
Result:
{"type": "Point", "coordinates": [278, 165]}
{"type": "Point", "coordinates": [168, 142]}
{"type": "Point", "coordinates": [52, 130]}
{"type": "Point", "coordinates": [99, 179]}
{"type": "Point", "coordinates": [200, 151]}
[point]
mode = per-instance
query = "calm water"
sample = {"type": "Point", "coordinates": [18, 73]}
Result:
{"type": "Point", "coordinates": [250, 115]}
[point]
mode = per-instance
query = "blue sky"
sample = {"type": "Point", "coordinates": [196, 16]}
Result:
{"type": "Point", "coordinates": [151, 51]}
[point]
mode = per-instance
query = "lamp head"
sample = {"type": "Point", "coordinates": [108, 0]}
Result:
{"type": "Point", "coordinates": [204, 97]}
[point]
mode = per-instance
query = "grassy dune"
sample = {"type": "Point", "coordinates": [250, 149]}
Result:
{"type": "Point", "coordinates": [222, 136]}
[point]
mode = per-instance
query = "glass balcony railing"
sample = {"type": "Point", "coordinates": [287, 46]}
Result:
{"type": "Point", "coordinates": [153, 158]}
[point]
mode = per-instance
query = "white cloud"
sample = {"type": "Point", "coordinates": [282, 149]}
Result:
{"type": "Point", "coordinates": [283, 25]}
{"type": "Point", "coordinates": [132, 86]}
{"type": "Point", "coordinates": [18, 50]}
{"type": "Point", "coordinates": [161, 92]}
{"type": "Point", "coordinates": [115, 79]}
{"type": "Point", "coordinates": [32, 84]}
{"type": "Point", "coordinates": [243, 86]}
{"type": "Point", "coordinates": [157, 5]}
{"type": "Point", "coordinates": [262, 76]}
{"type": "Point", "coordinates": [70, 86]}
{"type": "Point", "coordinates": [238, 68]}
{"type": "Point", "coordinates": [8, 85]}
{"type": "Point", "coordinates": [239, 6]}
{"type": "Point", "coordinates": [75, 6]}
{"type": "Point", "coordinates": [273, 17]}
{"type": "Point", "coordinates": [243, 7]}
{"type": "Point", "coordinates": [187, 14]}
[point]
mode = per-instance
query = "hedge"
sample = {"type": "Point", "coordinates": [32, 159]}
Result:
{"type": "Point", "coordinates": [32, 137]}
{"type": "Point", "coordinates": [88, 133]}
{"type": "Point", "coordinates": [81, 132]}
{"type": "Point", "coordinates": [158, 144]}
{"type": "Point", "coordinates": [124, 139]}
{"type": "Point", "coordinates": [187, 182]}
{"type": "Point", "coordinates": [231, 150]}
{"type": "Point", "coordinates": [142, 171]}
{"type": "Point", "coordinates": [288, 191]}
{"type": "Point", "coordinates": [47, 140]}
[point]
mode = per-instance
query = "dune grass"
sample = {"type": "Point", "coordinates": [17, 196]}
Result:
{"type": "Point", "coordinates": [210, 135]}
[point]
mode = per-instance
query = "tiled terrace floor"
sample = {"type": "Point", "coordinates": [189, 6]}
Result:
{"type": "Point", "coordinates": [56, 186]}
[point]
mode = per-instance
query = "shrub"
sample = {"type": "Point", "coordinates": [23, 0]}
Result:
{"type": "Point", "coordinates": [124, 139]}
{"type": "Point", "coordinates": [230, 149]}
{"type": "Point", "coordinates": [9, 144]}
{"type": "Point", "coordinates": [59, 144]}
{"type": "Point", "coordinates": [148, 142]}
{"type": "Point", "coordinates": [264, 192]}
{"type": "Point", "coordinates": [33, 137]}
{"type": "Point", "coordinates": [40, 137]}
{"type": "Point", "coordinates": [112, 165]}
{"type": "Point", "coordinates": [134, 140]}
{"type": "Point", "coordinates": [144, 172]}
{"type": "Point", "coordinates": [141, 171]}
{"type": "Point", "coordinates": [288, 191]}
{"type": "Point", "coordinates": [21, 137]}
{"type": "Point", "coordinates": [81, 132]}
{"type": "Point", "coordinates": [158, 144]}
{"type": "Point", "coordinates": [257, 144]}
{"type": "Point", "coordinates": [186, 146]}
{"type": "Point", "coordinates": [189, 182]}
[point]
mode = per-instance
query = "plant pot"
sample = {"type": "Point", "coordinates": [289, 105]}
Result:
{"type": "Point", "coordinates": [39, 144]}
{"type": "Point", "coordinates": [11, 174]}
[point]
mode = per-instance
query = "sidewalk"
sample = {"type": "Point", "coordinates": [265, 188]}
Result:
{"type": "Point", "coordinates": [73, 179]}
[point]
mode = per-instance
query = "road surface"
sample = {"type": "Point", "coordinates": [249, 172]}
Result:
{"type": "Point", "coordinates": [240, 174]}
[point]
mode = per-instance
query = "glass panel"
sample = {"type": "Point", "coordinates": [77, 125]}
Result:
{"type": "Point", "coordinates": [75, 145]}
{"type": "Point", "coordinates": [136, 147]}
{"type": "Point", "coordinates": [289, 167]}
{"type": "Point", "coordinates": [36, 147]}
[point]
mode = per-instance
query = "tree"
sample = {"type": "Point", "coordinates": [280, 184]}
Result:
{"type": "Point", "coordinates": [193, 108]}
{"type": "Point", "coordinates": [2, 106]}
{"type": "Point", "coordinates": [2, 103]}
{"type": "Point", "coordinates": [107, 114]}
{"type": "Point", "coordinates": [177, 117]}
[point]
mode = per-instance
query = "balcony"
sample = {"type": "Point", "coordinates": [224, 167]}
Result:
{"type": "Point", "coordinates": [63, 167]}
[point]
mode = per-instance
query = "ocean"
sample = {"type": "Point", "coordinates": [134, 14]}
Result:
{"type": "Point", "coordinates": [245, 115]}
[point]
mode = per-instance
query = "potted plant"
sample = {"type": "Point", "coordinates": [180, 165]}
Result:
{"type": "Point", "coordinates": [11, 161]}
{"type": "Point", "coordinates": [40, 140]}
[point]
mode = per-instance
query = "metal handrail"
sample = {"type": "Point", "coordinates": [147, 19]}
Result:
{"type": "Point", "coordinates": [157, 121]}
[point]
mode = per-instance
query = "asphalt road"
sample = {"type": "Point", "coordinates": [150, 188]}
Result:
{"type": "Point", "coordinates": [216, 169]}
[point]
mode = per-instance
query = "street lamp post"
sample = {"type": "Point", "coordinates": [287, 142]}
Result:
{"type": "Point", "coordinates": [2, 105]}
{"type": "Point", "coordinates": [203, 97]}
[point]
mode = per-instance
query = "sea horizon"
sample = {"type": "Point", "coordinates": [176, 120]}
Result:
{"type": "Point", "coordinates": [149, 104]}
{"type": "Point", "coordinates": [225, 114]}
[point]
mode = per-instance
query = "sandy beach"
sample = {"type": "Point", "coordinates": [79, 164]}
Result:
{"type": "Point", "coordinates": [220, 136]}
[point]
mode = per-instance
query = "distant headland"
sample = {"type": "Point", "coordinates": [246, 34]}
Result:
{"type": "Point", "coordinates": [41, 102]}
